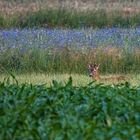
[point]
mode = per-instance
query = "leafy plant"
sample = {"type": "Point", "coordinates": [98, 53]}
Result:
{"type": "Point", "coordinates": [95, 111]}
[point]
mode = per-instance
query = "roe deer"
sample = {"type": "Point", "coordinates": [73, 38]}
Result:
{"type": "Point", "coordinates": [94, 73]}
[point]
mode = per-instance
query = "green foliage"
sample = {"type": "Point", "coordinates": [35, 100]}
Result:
{"type": "Point", "coordinates": [70, 19]}
{"type": "Point", "coordinates": [1, 21]}
{"type": "Point", "coordinates": [70, 60]}
{"type": "Point", "coordinates": [61, 111]}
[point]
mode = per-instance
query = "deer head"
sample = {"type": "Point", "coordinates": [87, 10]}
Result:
{"type": "Point", "coordinates": [94, 71]}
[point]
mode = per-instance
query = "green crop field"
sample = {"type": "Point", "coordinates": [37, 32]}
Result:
{"type": "Point", "coordinates": [94, 111]}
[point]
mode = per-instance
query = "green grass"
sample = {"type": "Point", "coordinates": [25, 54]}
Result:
{"type": "Point", "coordinates": [69, 19]}
{"type": "Point", "coordinates": [78, 79]}
{"type": "Point", "coordinates": [49, 13]}
{"type": "Point", "coordinates": [78, 20]}
{"type": "Point", "coordinates": [67, 60]}
{"type": "Point", "coordinates": [93, 111]}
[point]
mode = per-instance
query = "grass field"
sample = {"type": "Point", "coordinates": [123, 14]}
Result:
{"type": "Point", "coordinates": [19, 6]}
{"type": "Point", "coordinates": [69, 51]}
{"type": "Point", "coordinates": [78, 80]}
{"type": "Point", "coordinates": [69, 14]}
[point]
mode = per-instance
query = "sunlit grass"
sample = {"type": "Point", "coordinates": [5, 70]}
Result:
{"type": "Point", "coordinates": [47, 78]}
{"type": "Point", "coordinates": [78, 80]}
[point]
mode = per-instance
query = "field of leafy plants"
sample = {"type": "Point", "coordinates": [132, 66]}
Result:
{"type": "Point", "coordinates": [64, 111]}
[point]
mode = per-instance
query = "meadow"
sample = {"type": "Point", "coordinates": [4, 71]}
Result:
{"type": "Point", "coordinates": [69, 14]}
{"type": "Point", "coordinates": [70, 50]}
{"type": "Point", "coordinates": [45, 89]}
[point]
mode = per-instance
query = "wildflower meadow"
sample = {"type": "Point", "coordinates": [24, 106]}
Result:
{"type": "Point", "coordinates": [47, 89]}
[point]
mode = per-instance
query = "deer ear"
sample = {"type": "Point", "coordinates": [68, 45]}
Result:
{"type": "Point", "coordinates": [98, 66]}
{"type": "Point", "coordinates": [90, 65]}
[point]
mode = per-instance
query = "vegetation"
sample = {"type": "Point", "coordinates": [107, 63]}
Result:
{"type": "Point", "coordinates": [70, 51]}
{"type": "Point", "coordinates": [65, 13]}
{"type": "Point", "coordinates": [68, 112]}
{"type": "Point", "coordinates": [39, 103]}
{"type": "Point", "coordinates": [78, 79]}
{"type": "Point", "coordinates": [70, 19]}
{"type": "Point", "coordinates": [66, 60]}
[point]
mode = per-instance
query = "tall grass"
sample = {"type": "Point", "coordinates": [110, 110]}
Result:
{"type": "Point", "coordinates": [69, 19]}
{"type": "Point", "coordinates": [68, 60]}
{"type": "Point", "coordinates": [72, 14]}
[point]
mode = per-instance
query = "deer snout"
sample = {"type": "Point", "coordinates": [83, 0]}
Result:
{"type": "Point", "coordinates": [90, 75]}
